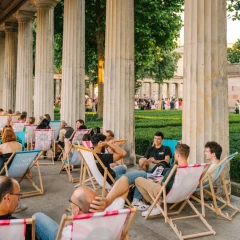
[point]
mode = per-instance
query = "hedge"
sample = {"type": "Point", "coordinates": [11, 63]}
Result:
{"type": "Point", "coordinates": [170, 123]}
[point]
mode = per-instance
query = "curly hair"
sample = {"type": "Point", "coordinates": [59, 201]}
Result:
{"type": "Point", "coordinates": [96, 138]}
{"type": "Point", "coordinates": [8, 135]}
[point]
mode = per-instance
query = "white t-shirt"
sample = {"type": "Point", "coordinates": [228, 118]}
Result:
{"type": "Point", "coordinates": [214, 174]}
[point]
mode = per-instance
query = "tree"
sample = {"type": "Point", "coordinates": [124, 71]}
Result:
{"type": "Point", "coordinates": [157, 26]}
{"type": "Point", "coordinates": [233, 53]}
{"type": "Point", "coordinates": [233, 9]}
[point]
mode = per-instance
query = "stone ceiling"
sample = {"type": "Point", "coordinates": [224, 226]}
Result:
{"type": "Point", "coordinates": [9, 7]}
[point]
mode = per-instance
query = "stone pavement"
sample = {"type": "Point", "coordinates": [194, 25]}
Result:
{"type": "Point", "coordinates": [58, 190]}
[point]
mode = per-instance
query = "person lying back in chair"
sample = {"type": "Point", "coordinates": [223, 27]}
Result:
{"type": "Point", "coordinates": [117, 153]}
{"type": "Point", "coordinates": [83, 200]}
{"type": "Point", "coordinates": [212, 153]}
{"type": "Point", "coordinates": [146, 187]}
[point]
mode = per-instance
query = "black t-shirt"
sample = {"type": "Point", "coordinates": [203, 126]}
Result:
{"type": "Point", "coordinates": [28, 228]}
{"type": "Point", "coordinates": [69, 132]}
{"type": "Point", "coordinates": [107, 159]}
{"type": "Point", "coordinates": [158, 153]}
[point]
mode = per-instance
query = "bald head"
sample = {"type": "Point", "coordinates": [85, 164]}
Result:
{"type": "Point", "coordinates": [83, 197]}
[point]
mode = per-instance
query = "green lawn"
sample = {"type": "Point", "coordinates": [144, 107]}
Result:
{"type": "Point", "coordinates": [170, 123]}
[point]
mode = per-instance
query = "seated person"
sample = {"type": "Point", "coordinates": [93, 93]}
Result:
{"type": "Point", "coordinates": [80, 124]}
{"type": "Point", "coordinates": [156, 154]}
{"type": "Point", "coordinates": [22, 118]}
{"type": "Point", "coordinates": [109, 135]}
{"type": "Point", "coordinates": [147, 187]}
{"type": "Point", "coordinates": [44, 124]}
{"type": "Point", "coordinates": [9, 144]}
{"type": "Point", "coordinates": [47, 116]}
{"type": "Point", "coordinates": [83, 200]}
{"type": "Point", "coordinates": [117, 153]}
{"type": "Point", "coordinates": [9, 199]}
{"type": "Point", "coordinates": [213, 153]}
{"type": "Point", "coordinates": [64, 128]}
{"type": "Point", "coordinates": [31, 120]}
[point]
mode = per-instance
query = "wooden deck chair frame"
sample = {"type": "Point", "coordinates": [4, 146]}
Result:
{"type": "Point", "coordinates": [120, 143]}
{"type": "Point", "coordinates": [128, 222]}
{"type": "Point", "coordinates": [106, 174]}
{"type": "Point", "coordinates": [52, 147]}
{"type": "Point", "coordinates": [31, 221]}
{"type": "Point", "coordinates": [69, 166]}
{"type": "Point", "coordinates": [164, 211]}
{"type": "Point", "coordinates": [225, 202]}
{"type": "Point", "coordinates": [39, 190]}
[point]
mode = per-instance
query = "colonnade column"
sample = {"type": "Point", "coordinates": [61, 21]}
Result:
{"type": "Point", "coordinates": [43, 84]}
{"type": "Point", "coordinates": [150, 90]}
{"type": "Point", "coordinates": [2, 49]}
{"type": "Point", "coordinates": [168, 90]}
{"type": "Point", "coordinates": [10, 66]}
{"type": "Point", "coordinates": [205, 105]}
{"type": "Point", "coordinates": [73, 64]}
{"type": "Point", "coordinates": [119, 73]}
{"type": "Point", "coordinates": [24, 89]}
{"type": "Point", "coordinates": [57, 88]}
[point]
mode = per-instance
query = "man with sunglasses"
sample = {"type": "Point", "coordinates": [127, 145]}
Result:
{"type": "Point", "coordinates": [83, 200]}
{"type": "Point", "coordinates": [9, 198]}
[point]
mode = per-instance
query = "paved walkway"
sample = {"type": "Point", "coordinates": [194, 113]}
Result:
{"type": "Point", "coordinates": [58, 190]}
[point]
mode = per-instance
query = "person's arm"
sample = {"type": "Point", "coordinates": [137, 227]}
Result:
{"type": "Point", "coordinates": [119, 190]}
{"type": "Point", "coordinates": [118, 153]}
{"type": "Point", "coordinates": [168, 155]}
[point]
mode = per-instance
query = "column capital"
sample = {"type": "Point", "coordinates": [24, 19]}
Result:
{"type": "Point", "coordinates": [46, 3]}
{"type": "Point", "coordinates": [10, 26]}
{"type": "Point", "coordinates": [25, 16]}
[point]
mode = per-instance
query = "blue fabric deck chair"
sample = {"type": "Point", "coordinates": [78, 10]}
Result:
{"type": "Point", "coordinates": [21, 136]}
{"type": "Point", "coordinates": [19, 164]}
{"type": "Point", "coordinates": [56, 125]}
{"type": "Point", "coordinates": [171, 144]}
{"type": "Point", "coordinates": [207, 181]}
{"type": "Point", "coordinates": [73, 159]}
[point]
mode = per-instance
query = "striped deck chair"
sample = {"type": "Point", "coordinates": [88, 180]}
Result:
{"type": "Point", "coordinates": [87, 144]}
{"type": "Point", "coordinates": [18, 127]}
{"type": "Point", "coordinates": [112, 225]}
{"type": "Point", "coordinates": [30, 136]}
{"type": "Point", "coordinates": [209, 183]}
{"type": "Point", "coordinates": [44, 140]}
{"type": "Point", "coordinates": [89, 162]}
{"type": "Point", "coordinates": [16, 228]}
{"type": "Point", "coordinates": [18, 165]}
{"type": "Point", "coordinates": [3, 120]}
{"type": "Point", "coordinates": [78, 135]}
{"type": "Point", "coordinates": [14, 117]}
{"type": "Point", "coordinates": [185, 182]}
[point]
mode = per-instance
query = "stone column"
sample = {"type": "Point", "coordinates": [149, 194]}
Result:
{"type": "Point", "coordinates": [91, 92]}
{"type": "Point", "coordinates": [150, 90]}
{"type": "Point", "coordinates": [57, 88]}
{"type": "Point", "coordinates": [177, 90]}
{"type": "Point", "coordinates": [10, 66]}
{"type": "Point", "coordinates": [43, 86]}
{"type": "Point", "coordinates": [73, 69]}
{"type": "Point", "coordinates": [119, 73]}
{"type": "Point", "coordinates": [205, 106]}
{"type": "Point", "coordinates": [24, 89]}
{"type": "Point", "coordinates": [160, 91]}
{"type": "Point", "coordinates": [141, 91]}
{"type": "Point", "coordinates": [168, 90]}
{"type": "Point", "coordinates": [2, 50]}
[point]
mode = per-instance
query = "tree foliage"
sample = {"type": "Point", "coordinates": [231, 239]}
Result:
{"type": "Point", "coordinates": [233, 9]}
{"type": "Point", "coordinates": [233, 53]}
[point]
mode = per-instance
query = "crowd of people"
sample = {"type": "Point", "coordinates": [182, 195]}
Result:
{"type": "Point", "coordinates": [160, 104]}
{"type": "Point", "coordinates": [85, 199]}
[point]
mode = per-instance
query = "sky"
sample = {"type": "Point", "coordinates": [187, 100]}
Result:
{"type": "Point", "coordinates": [233, 32]}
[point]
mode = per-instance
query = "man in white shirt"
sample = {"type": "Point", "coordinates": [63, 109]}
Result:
{"type": "Point", "coordinates": [213, 153]}
{"type": "Point", "coordinates": [83, 200]}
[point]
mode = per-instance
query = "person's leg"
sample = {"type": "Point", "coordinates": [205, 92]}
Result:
{"type": "Point", "coordinates": [119, 189]}
{"type": "Point", "coordinates": [143, 164]}
{"type": "Point", "coordinates": [147, 187]}
{"type": "Point", "coordinates": [119, 170]}
{"type": "Point", "coordinates": [46, 228]}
